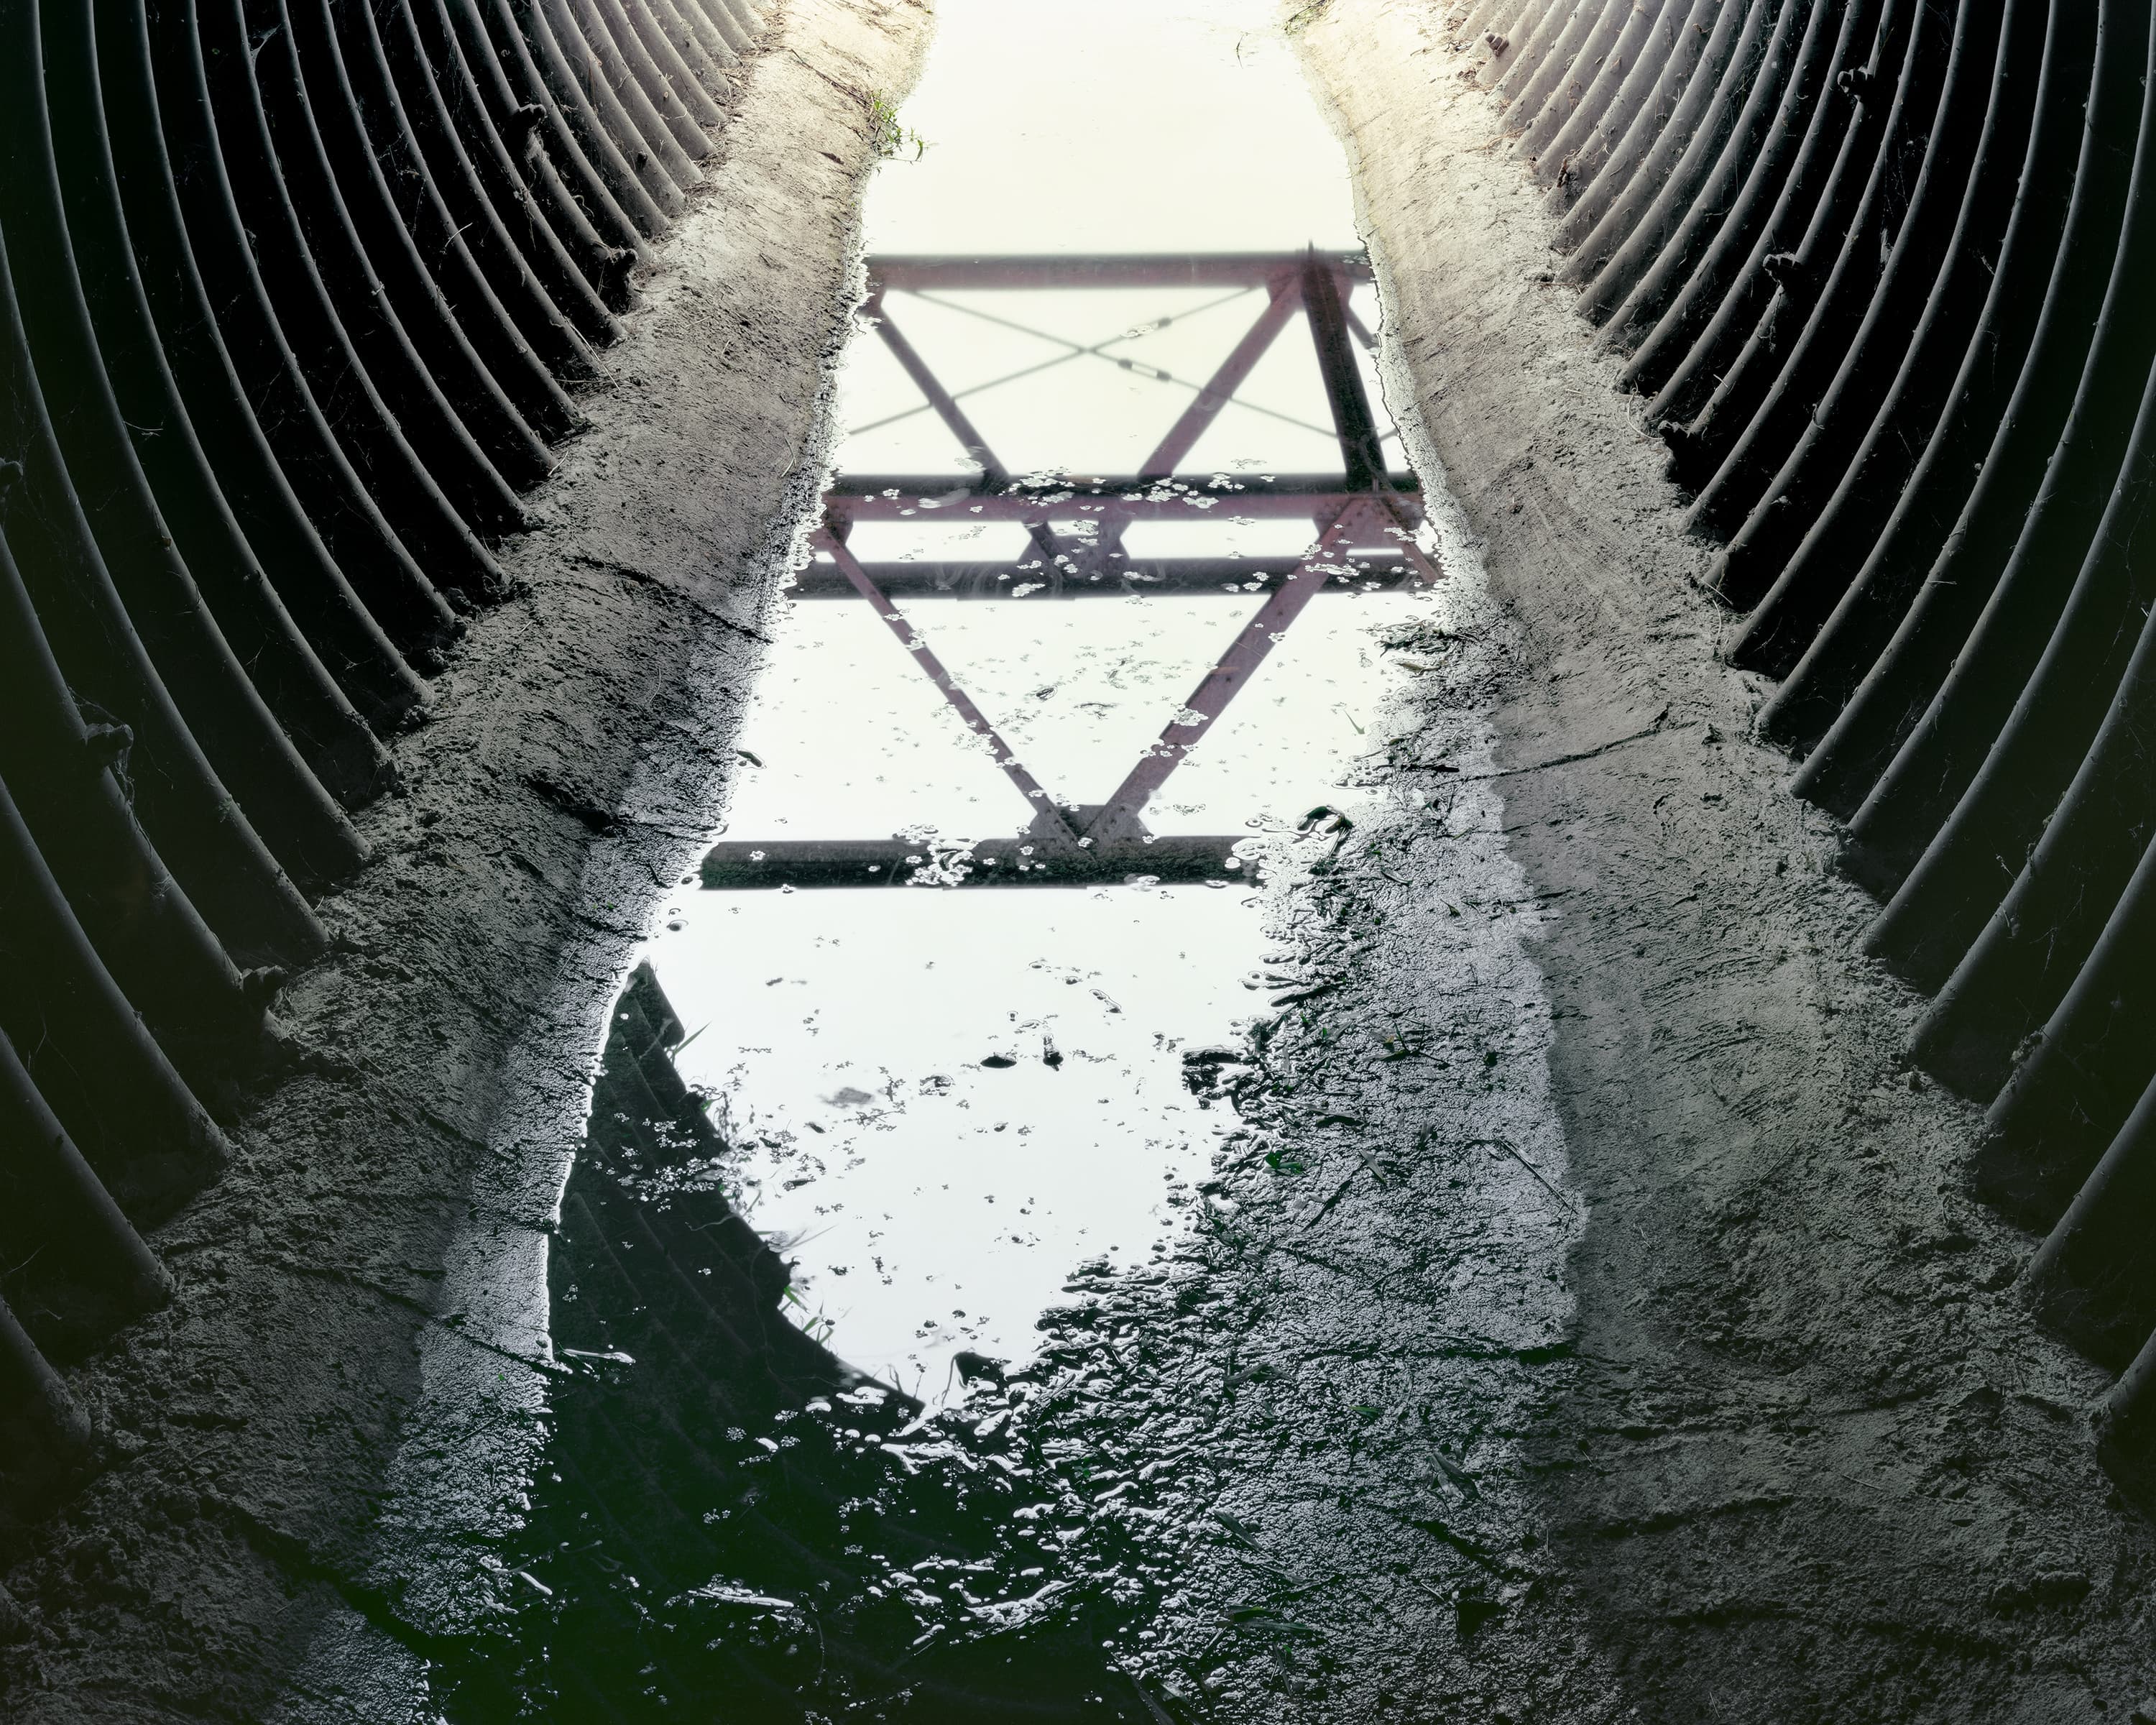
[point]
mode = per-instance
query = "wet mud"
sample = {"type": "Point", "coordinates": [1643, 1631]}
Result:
{"type": "Point", "coordinates": [728, 1521]}
{"type": "Point", "coordinates": [1270, 1466]}
{"type": "Point", "coordinates": [1254, 1467]}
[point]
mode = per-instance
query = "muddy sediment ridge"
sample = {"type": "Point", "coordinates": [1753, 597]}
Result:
{"type": "Point", "coordinates": [1585, 1315]}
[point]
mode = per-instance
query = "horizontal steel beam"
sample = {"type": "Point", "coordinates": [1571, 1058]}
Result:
{"type": "Point", "coordinates": [1167, 270]}
{"type": "Point", "coordinates": [745, 864]}
{"type": "Point", "coordinates": [860, 497]}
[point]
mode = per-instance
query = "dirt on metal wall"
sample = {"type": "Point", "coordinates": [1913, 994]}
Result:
{"type": "Point", "coordinates": [575, 742]}
{"type": "Point", "coordinates": [1808, 1456]}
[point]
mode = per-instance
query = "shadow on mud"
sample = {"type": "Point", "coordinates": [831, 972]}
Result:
{"type": "Point", "coordinates": [731, 1524]}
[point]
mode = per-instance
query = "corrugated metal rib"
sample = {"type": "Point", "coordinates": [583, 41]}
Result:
{"type": "Point", "coordinates": [293, 297]}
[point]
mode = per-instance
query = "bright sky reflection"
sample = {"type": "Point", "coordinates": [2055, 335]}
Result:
{"type": "Point", "coordinates": [936, 1202]}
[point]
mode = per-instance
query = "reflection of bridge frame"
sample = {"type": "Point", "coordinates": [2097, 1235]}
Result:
{"type": "Point", "coordinates": [1363, 506]}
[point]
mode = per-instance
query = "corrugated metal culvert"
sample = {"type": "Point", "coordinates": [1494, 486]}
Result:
{"type": "Point", "coordinates": [292, 293]}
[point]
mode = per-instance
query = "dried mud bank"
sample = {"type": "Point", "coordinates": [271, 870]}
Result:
{"type": "Point", "coordinates": [575, 747]}
{"type": "Point", "coordinates": [1803, 1454]}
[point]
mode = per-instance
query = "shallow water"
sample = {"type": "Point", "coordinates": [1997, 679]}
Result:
{"type": "Point", "coordinates": [942, 1100]}
{"type": "Point", "coordinates": [819, 1435]}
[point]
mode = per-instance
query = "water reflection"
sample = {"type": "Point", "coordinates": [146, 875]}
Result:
{"type": "Point", "coordinates": [937, 1126]}
{"type": "Point", "coordinates": [957, 1097]}
{"type": "Point", "coordinates": [860, 1124]}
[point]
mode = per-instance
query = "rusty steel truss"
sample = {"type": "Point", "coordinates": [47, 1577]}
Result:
{"type": "Point", "coordinates": [1074, 534]}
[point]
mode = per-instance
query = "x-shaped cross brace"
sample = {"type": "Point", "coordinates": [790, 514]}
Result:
{"type": "Point", "coordinates": [1094, 838]}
